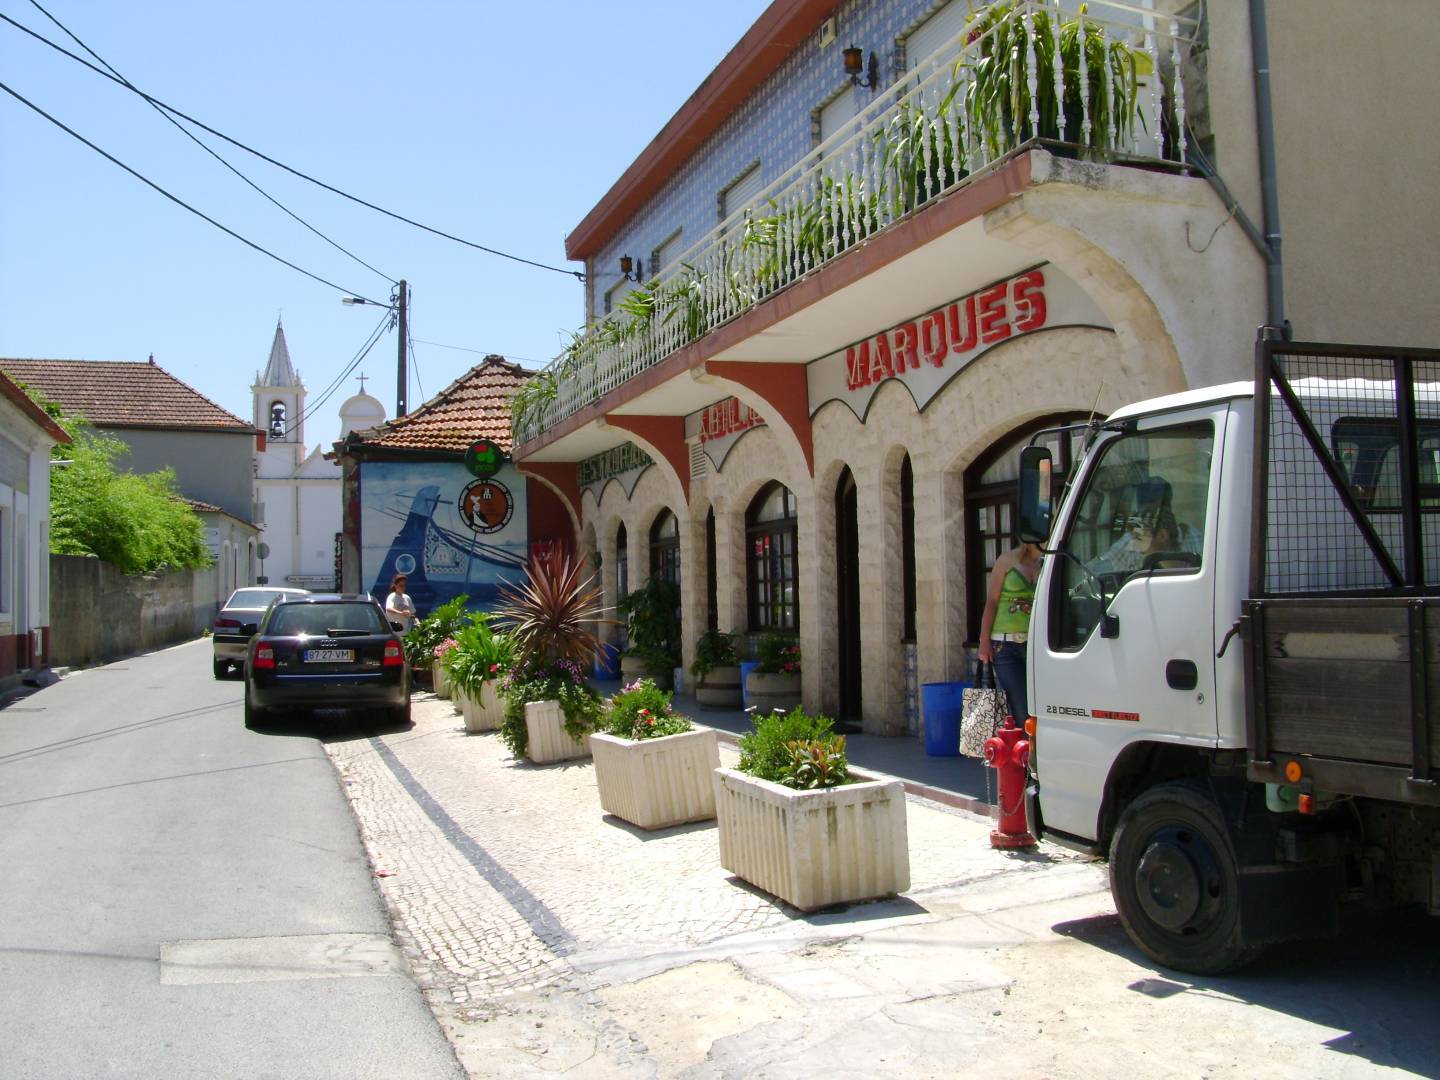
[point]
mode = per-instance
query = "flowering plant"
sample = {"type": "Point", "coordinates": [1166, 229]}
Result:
{"type": "Point", "coordinates": [444, 647]}
{"type": "Point", "coordinates": [778, 655]}
{"type": "Point", "coordinates": [535, 679]}
{"type": "Point", "coordinates": [479, 655]}
{"type": "Point", "coordinates": [642, 710]}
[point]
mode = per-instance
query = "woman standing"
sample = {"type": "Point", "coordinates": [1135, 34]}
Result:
{"type": "Point", "coordinates": [1005, 626]}
{"type": "Point", "coordinates": [398, 605]}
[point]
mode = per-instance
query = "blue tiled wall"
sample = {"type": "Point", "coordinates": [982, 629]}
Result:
{"type": "Point", "coordinates": [772, 126]}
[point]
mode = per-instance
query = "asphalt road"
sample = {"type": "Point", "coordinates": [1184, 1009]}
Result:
{"type": "Point", "coordinates": [181, 897]}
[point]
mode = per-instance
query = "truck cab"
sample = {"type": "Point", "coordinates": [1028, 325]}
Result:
{"type": "Point", "coordinates": [1232, 649]}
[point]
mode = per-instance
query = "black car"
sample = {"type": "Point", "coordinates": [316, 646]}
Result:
{"type": "Point", "coordinates": [326, 652]}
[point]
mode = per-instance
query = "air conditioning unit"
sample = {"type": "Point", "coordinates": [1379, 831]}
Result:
{"type": "Point", "coordinates": [827, 32]}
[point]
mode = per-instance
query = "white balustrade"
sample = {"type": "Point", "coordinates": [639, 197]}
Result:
{"type": "Point", "coordinates": [927, 134]}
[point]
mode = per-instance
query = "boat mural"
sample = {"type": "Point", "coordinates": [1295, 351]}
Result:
{"type": "Point", "coordinates": [447, 531]}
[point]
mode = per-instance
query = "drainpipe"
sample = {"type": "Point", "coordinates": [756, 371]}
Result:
{"type": "Point", "coordinates": [1269, 192]}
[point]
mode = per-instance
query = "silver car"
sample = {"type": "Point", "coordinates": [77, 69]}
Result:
{"type": "Point", "coordinates": [237, 622]}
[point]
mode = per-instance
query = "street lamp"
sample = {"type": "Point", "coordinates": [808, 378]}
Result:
{"type": "Point", "coordinates": [399, 305]}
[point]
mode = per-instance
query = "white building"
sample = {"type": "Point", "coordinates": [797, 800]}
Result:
{"type": "Point", "coordinates": [26, 435]}
{"type": "Point", "coordinates": [297, 493]}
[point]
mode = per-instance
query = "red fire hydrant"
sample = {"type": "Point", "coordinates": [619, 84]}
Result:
{"type": "Point", "coordinates": [1008, 753]}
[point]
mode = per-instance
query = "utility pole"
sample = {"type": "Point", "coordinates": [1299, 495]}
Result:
{"type": "Point", "coordinates": [402, 324]}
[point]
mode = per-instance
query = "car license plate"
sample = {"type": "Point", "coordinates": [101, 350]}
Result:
{"type": "Point", "coordinates": [329, 656]}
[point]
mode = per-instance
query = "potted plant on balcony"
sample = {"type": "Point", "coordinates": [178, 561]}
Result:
{"type": "Point", "coordinates": [549, 708]}
{"type": "Point", "coordinates": [775, 682]}
{"type": "Point", "coordinates": [652, 618]}
{"type": "Point", "coordinates": [481, 658]}
{"type": "Point", "coordinates": [798, 822]}
{"type": "Point", "coordinates": [652, 766]}
{"type": "Point", "coordinates": [717, 671]}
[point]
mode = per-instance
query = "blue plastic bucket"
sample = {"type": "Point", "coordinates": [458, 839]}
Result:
{"type": "Point", "coordinates": [607, 662]}
{"type": "Point", "coordinates": [746, 666]}
{"type": "Point", "coordinates": [942, 703]}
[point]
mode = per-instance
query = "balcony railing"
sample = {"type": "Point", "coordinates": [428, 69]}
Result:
{"type": "Point", "coordinates": [989, 91]}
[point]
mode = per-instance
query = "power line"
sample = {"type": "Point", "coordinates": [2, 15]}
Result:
{"type": "Point", "coordinates": [477, 352]}
{"type": "Point", "coordinates": [176, 199]}
{"type": "Point", "coordinates": [281, 165]}
{"type": "Point", "coordinates": [196, 140]}
{"type": "Point", "coordinates": [335, 383]}
{"type": "Point", "coordinates": [415, 363]}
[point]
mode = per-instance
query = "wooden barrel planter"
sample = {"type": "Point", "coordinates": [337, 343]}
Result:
{"type": "Point", "coordinates": [719, 688]}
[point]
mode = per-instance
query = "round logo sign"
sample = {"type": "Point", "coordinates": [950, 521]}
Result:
{"type": "Point", "coordinates": [486, 506]}
{"type": "Point", "coordinates": [484, 458]}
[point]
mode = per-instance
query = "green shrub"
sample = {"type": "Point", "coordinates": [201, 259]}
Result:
{"type": "Point", "coordinates": [778, 655]}
{"type": "Point", "coordinates": [642, 711]}
{"type": "Point", "coordinates": [816, 763]}
{"type": "Point", "coordinates": [652, 620]}
{"type": "Point", "coordinates": [446, 621]}
{"type": "Point", "coordinates": [560, 680]}
{"type": "Point", "coordinates": [764, 751]}
{"type": "Point", "coordinates": [714, 649]}
{"type": "Point", "coordinates": [478, 655]}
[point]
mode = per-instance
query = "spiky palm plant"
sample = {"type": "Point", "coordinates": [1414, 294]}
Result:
{"type": "Point", "coordinates": [551, 614]}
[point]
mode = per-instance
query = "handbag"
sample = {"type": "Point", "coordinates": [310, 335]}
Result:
{"type": "Point", "coordinates": [983, 711]}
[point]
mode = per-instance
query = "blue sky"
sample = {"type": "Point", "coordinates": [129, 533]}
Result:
{"type": "Point", "coordinates": [500, 123]}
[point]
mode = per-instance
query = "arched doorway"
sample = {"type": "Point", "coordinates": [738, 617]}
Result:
{"type": "Point", "coordinates": [665, 548]}
{"type": "Point", "coordinates": [847, 590]}
{"type": "Point", "coordinates": [771, 572]}
{"type": "Point", "coordinates": [622, 563]}
{"type": "Point", "coordinates": [992, 503]}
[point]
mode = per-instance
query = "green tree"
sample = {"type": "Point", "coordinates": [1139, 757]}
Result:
{"type": "Point", "coordinates": [135, 521]}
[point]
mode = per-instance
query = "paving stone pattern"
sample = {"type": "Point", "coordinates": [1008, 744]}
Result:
{"type": "Point", "coordinates": [508, 877]}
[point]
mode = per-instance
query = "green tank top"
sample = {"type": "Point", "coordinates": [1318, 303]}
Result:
{"type": "Point", "coordinates": [1012, 615]}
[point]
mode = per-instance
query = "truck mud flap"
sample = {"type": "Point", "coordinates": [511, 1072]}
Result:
{"type": "Point", "coordinates": [1286, 903]}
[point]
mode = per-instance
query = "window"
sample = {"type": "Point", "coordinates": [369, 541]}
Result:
{"type": "Point", "coordinates": [666, 253]}
{"type": "Point", "coordinates": [992, 496]}
{"type": "Point", "coordinates": [772, 542]}
{"type": "Point", "coordinates": [1367, 449]}
{"type": "Point", "coordinates": [321, 619]}
{"type": "Point", "coordinates": [615, 296]}
{"type": "Point", "coordinates": [940, 29]}
{"type": "Point", "coordinates": [907, 545]}
{"type": "Point", "coordinates": [741, 193]}
{"type": "Point", "coordinates": [1142, 512]}
{"type": "Point", "coordinates": [277, 420]}
{"type": "Point", "coordinates": [665, 548]}
{"type": "Point", "coordinates": [622, 563]}
{"type": "Point", "coordinates": [712, 580]}
{"type": "Point", "coordinates": [835, 114]}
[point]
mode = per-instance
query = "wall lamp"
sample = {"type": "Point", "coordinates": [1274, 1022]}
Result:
{"type": "Point", "coordinates": [628, 264]}
{"type": "Point", "coordinates": [855, 64]}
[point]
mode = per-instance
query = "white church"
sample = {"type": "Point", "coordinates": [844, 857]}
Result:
{"type": "Point", "coordinates": [297, 494]}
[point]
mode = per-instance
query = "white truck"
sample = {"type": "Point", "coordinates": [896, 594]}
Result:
{"type": "Point", "coordinates": [1234, 654]}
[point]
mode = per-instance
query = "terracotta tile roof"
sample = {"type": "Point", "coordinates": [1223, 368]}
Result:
{"type": "Point", "coordinates": [201, 506]}
{"type": "Point", "coordinates": [22, 401]}
{"type": "Point", "coordinates": [474, 406]}
{"type": "Point", "coordinates": [122, 393]}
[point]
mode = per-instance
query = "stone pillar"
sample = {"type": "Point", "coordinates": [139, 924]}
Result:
{"type": "Point", "coordinates": [730, 567]}
{"type": "Point", "coordinates": [881, 599]}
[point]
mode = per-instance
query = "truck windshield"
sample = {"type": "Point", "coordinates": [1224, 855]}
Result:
{"type": "Point", "coordinates": [1142, 508]}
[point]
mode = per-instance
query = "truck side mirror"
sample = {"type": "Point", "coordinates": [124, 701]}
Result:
{"type": "Point", "coordinates": [1037, 506]}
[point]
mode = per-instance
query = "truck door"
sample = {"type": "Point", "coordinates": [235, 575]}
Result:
{"type": "Point", "coordinates": [1138, 537]}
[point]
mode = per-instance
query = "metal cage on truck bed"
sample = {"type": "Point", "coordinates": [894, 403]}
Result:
{"type": "Point", "coordinates": [1342, 627]}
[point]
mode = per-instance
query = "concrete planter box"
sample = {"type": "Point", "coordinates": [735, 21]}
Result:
{"type": "Point", "coordinates": [655, 783]}
{"type": "Point", "coordinates": [483, 713]}
{"type": "Point", "coordinates": [546, 739]}
{"type": "Point", "coordinates": [632, 668]}
{"type": "Point", "coordinates": [813, 849]}
{"type": "Point", "coordinates": [770, 692]}
{"type": "Point", "coordinates": [439, 680]}
{"type": "Point", "coordinates": [719, 689]}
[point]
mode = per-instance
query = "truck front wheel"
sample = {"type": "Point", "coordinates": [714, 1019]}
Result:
{"type": "Point", "coordinates": [1174, 879]}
